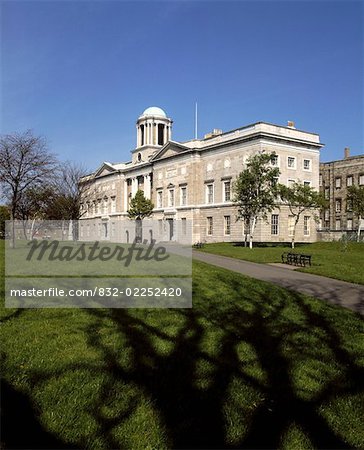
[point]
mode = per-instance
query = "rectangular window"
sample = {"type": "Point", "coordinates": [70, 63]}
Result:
{"type": "Point", "coordinates": [291, 183]}
{"type": "Point", "coordinates": [105, 206]}
{"type": "Point", "coordinates": [227, 191]}
{"type": "Point", "coordinates": [160, 226]}
{"type": "Point", "coordinates": [159, 199]}
{"type": "Point", "coordinates": [338, 224]}
{"type": "Point", "coordinates": [349, 205]}
{"type": "Point", "coordinates": [183, 196]}
{"type": "Point", "coordinates": [274, 224]}
{"type": "Point", "coordinates": [291, 220]}
{"type": "Point", "coordinates": [307, 183]}
{"type": "Point", "coordinates": [327, 192]}
{"type": "Point", "coordinates": [209, 193]}
{"type": "Point", "coordinates": [349, 180]}
{"type": "Point", "coordinates": [227, 225]}
{"type": "Point", "coordinates": [327, 214]}
{"type": "Point", "coordinates": [113, 204]}
{"type": "Point", "coordinates": [361, 180]}
{"type": "Point", "coordinates": [338, 205]}
{"type": "Point", "coordinates": [171, 197]}
{"type": "Point", "coordinates": [338, 182]}
{"type": "Point", "coordinates": [349, 224]}
{"type": "Point", "coordinates": [306, 164]}
{"type": "Point", "coordinates": [291, 162]}
{"type": "Point", "coordinates": [210, 225]}
{"type": "Point", "coordinates": [306, 225]}
{"type": "Point", "coordinates": [184, 226]}
{"type": "Point", "coordinates": [275, 160]}
{"type": "Point", "coordinates": [320, 180]}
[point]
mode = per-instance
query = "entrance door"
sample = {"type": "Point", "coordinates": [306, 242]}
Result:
{"type": "Point", "coordinates": [170, 229]}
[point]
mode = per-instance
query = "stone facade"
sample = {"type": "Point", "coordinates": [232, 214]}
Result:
{"type": "Point", "coordinates": [192, 182]}
{"type": "Point", "coordinates": [335, 177]}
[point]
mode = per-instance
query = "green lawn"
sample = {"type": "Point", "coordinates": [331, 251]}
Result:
{"type": "Point", "coordinates": [251, 365]}
{"type": "Point", "coordinates": [331, 259]}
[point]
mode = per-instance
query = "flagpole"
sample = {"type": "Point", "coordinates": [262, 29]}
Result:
{"type": "Point", "coordinates": [196, 120]}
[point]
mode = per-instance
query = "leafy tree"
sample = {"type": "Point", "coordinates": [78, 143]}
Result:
{"type": "Point", "coordinates": [356, 199]}
{"type": "Point", "coordinates": [256, 190]}
{"type": "Point", "coordinates": [301, 198]}
{"type": "Point", "coordinates": [25, 162]}
{"type": "Point", "coordinates": [139, 208]}
{"type": "Point", "coordinates": [4, 215]}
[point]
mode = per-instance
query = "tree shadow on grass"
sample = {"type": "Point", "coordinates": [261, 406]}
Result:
{"type": "Point", "coordinates": [196, 417]}
{"type": "Point", "coordinates": [191, 384]}
{"type": "Point", "coordinates": [20, 428]}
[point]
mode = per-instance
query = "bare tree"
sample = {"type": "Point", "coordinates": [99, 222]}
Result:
{"type": "Point", "coordinates": [73, 192]}
{"type": "Point", "coordinates": [25, 162]}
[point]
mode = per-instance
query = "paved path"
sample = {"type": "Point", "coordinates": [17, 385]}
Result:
{"type": "Point", "coordinates": [338, 292]}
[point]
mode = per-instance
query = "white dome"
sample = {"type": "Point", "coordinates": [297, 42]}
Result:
{"type": "Point", "coordinates": [154, 111]}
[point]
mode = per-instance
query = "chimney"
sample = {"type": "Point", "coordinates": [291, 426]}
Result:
{"type": "Point", "coordinates": [290, 124]}
{"type": "Point", "coordinates": [346, 152]}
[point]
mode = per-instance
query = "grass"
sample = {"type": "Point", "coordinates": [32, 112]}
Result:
{"type": "Point", "coordinates": [251, 365]}
{"type": "Point", "coordinates": [331, 259]}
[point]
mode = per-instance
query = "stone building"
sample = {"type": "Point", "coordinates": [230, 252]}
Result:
{"type": "Point", "coordinates": [191, 183]}
{"type": "Point", "coordinates": [335, 178]}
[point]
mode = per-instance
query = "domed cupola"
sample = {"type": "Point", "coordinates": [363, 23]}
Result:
{"type": "Point", "coordinates": [154, 128]}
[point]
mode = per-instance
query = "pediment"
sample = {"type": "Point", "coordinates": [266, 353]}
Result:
{"type": "Point", "coordinates": [171, 148]}
{"type": "Point", "coordinates": [105, 169]}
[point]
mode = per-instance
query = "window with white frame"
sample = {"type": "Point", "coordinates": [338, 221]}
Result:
{"type": "Point", "coordinates": [349, 205]}
{"type": "Point", "coordinates": [306, 225]}
{"type": "Point", "coordinates": [349, 180]}
{"type": "Point", "coordinates": [291, 162]}
{"type": "Point", "coordinates": [338, 205]}
{"type": "Point", "coordinates": [306, 164]}
{"type": "Point", "coordinates": [210, 193]}
{"type": "Point", "coordinates": [291, 220]}
{"type": "Point", "coordinates": [210, 226]}
{"type": "Point", "coordinates": [320, 180]}
{"type": "Point", "coordinates": [274, 160]}
{"type": "Point", "coordinates": [307, 183]}
{"type": "Point", "coordinates": [113, 204]}
{"type": "Point", "coordinates": [274, 224]}
{"type": "Point", "coordinates": [327, 214]}
{"type": "Point", "coordinates": [227, 225]}
{"type": "Point", "coordinates": [170, 197]}
{"type": "Point", "coordinates": [291, 182]}
{"type": "Point", "coordinates": [361, 179]}
{"type": "Point", "coordinates": [327, 192]}
{"type": "Point", "coordinates": [183, 195]}
{"type": "Point", "coordinates": [227, 191]}
{"type": "Point", "coordinates": [159, 199]}
{"type": "Point", "coordinates": [338, 224]}
{"type": "Point", "coordinates": [349, 224]}
{"type": "Point", "coordinates": [338, 182]}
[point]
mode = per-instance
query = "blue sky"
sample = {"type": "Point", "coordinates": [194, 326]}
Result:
{"type": "Point", "coordinates": [81, 72]}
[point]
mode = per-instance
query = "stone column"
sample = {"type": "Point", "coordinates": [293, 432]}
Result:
{"type": "Point", "coordinates": [147, 187]}
{"type": "Point", "coordinates": [134, 186]}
